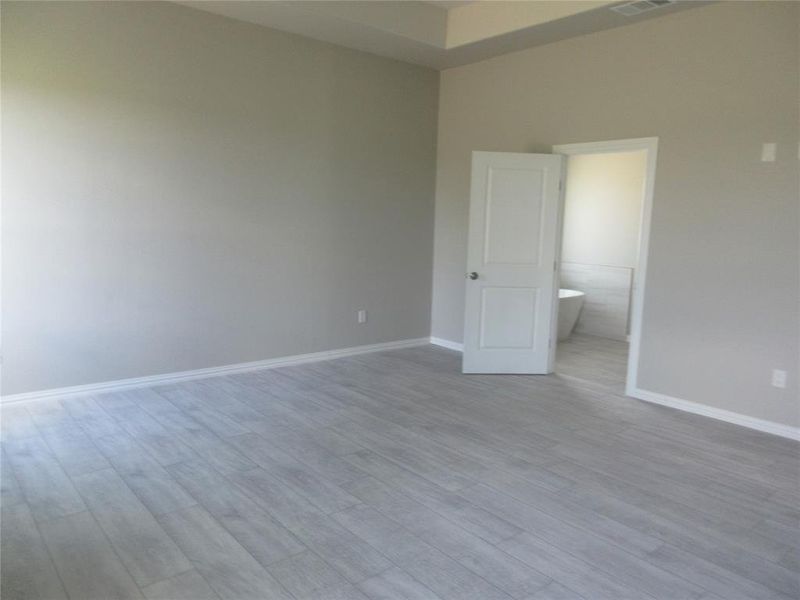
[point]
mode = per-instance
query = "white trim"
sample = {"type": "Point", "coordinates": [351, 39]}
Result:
{"type": "Point", "coordinates": [447, 344]}
{"type": "Point", "coordinates": [270, 363]}
{"type": "Point", "coordinates": [720, 414]}
{"type": "Point", "coordinates": [552, 339]}
{"type": "Point", "coordinates": [285, 361]}
{"type": "Point", "coordinates": [640, 274]}
{"type": "Point", "coordinates": [696, 408]}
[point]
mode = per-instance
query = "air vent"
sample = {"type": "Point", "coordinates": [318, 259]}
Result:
{"type": "Point", "coordinates": [635, 8]}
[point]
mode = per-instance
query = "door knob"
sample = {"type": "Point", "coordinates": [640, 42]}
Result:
{"type": "Point", "coordinates": [472, 275]}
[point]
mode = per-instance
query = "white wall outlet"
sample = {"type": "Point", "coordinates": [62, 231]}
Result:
{"type": "Point", "coordinates": [768, 152]}
{"type": "Point", "coordinates": [362, 316]}
{"type": "Point", "coordinates": [778, 378]}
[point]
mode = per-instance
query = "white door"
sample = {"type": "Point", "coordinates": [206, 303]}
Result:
{"type": "Point", "coordinates": [512, 274]}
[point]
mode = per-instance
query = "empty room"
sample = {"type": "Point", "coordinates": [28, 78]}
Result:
{"type": "Point", "coordinates": [399, 299]}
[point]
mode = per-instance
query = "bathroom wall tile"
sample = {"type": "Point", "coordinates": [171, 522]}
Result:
{"type": "Point", "coordinates": [607, 304]}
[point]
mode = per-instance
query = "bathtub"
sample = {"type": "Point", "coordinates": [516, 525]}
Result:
{"type": "Point", "coordinates": [570, 303]}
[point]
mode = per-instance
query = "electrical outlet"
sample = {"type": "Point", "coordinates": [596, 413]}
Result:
{"type": "Point", "coordinates": [778, 378]}
{"type": "Point", "coordinates": [768, 151]}
{"type": "Point", "coordinates": [362, 316]}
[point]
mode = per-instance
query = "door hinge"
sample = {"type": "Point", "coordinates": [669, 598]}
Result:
{"type": "Point", "coordinates": [560, 185]}
{"type": "Point", "coordinates": [555, 265]}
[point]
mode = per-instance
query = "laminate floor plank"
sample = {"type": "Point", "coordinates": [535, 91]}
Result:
{"type": "Point", "coordinates": [325, 495]}
{"type": "Point", "coordinates": [628, 567]}
{"type": "Point", "coordinates": [190, 433]}
{"type": "Point", "coordinates": [28, 572]}
{"type": "Point", "coordinates": [51, 415]}
{"type": "Point", "coordinates": [415, 460]}
{"type": "Point", "coordinates": [46, 487]}
{"type": "Point", "coordinates": [151, 483]}
{"type": "Point", "coordinates": [305, 574]}
{"type": "Point", "coordinates": [75, 450]}
{"type": "Point", "coordinates": [85, 560]}
{"type": "Point", "coordinates": [16, 423]}
{"type": "Point", "coordinates": [598, 488]}
{"type": "Point", "coordinates": [392, 475]}
{"type": "Point", "coordinates": [421, 493]}
{"type": "Point", "coordinates": [10, 492]}
{"type": "Point", "coordinates": [90, 416]}
{"type": "Point", "coordinates": [396, 584]}
{"type": "Point", "coordinates": [570, 571]}
{"type": "Point", "coordinates": [316, 457]}
{"type": "Point", "coordinates": [200, 403]}
{"type": "Point", "coordinates": [185, 586]}
{"type": "Point", "coordinates": [227, 567]}
{"type": "Point", "coordinates": [144, 548]}
{"type": "Point", "coordinates": [352, 557]}
{"type": "Point", "coordinates": [445, 576]}
{"type": "Point", "coordinates": [482, 558]}
{"type": "Point", "coordinates": [258, 532]}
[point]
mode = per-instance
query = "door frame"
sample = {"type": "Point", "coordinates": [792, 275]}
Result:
{"type": "Point", "coordinates": [649, 144]}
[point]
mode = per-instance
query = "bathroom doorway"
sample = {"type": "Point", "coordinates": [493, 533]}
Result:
{"type": "Point", "coordinates": [605, 231]}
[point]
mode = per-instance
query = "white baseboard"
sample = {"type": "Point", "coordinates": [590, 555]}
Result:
{"type": "Point", "coordinates": [684, 405]}
{"type": "Point", "coordinates": [778, 429]}
{"type": "Point", "coordinates": [447, 344]}
{"type": "Point", "coordinates": [270, 363]}
{"type": "Point", "coordinates": [720, 414]}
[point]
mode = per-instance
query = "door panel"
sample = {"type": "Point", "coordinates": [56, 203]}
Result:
{"type": "Point", "coordinates": [510, 216]}
{"type": "Point", "coordinates": [507, 319]}
{"type": "Point", "coordinates": [515, 212]}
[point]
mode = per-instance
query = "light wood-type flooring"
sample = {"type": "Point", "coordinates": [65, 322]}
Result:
{"type": "Point", "coordinates": [392, 475]}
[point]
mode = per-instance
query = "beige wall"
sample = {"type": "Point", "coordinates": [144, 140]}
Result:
{"type": "Point", "coordinates": [713, 84]}
{"type": "Point", "coordinates": [418, 21]}
{"type": "Point", "coordinates": [603, 208]}
{"type": "Point", "coordinates": [488, 18]}
{"type": "Point", "coordinates": [181, 190]}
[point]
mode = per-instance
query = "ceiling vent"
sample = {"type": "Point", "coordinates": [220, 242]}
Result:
{"type": "Point", "coordinates": [635, 8]}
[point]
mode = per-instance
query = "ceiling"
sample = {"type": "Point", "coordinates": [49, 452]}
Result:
{"type": "Point", "coordinates": [448, 4]}
{"type": "Point", "coordinates": [435, 33]}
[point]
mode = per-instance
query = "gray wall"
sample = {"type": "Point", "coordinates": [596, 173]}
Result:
{"type": "Point", "coordinates": [182, 190]}
{"type": "Point", "coordinates": [713, 83]}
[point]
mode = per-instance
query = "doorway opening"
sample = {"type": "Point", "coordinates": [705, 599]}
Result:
{"type": "Point", "coordinates": [607, 205]}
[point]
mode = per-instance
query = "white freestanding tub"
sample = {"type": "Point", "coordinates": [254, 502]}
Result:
{"type": "Point", "coordinates": [570, 303]}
